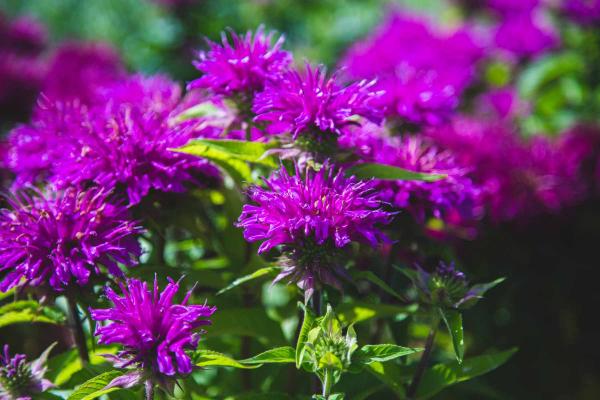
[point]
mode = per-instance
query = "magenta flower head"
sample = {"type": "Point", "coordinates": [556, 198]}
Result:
{"type": "Point", "coordinates": [313, 217]}
{"type": "Point", "coordinates": [154, 331]}
{"type": "Point", "coordinates": [585, 12]}
{"type": "Point", "coordinates": [61, 238]}
{"type": "Point", "coordinates": [242, 66]}
{"type": "Point", "coordinates": [126, 143]}
{"type": "Point", "coordinates": [454, 193]}
{"type": "Point", "coordinates": [22, 380]}
{"type": "Point", "coordinates": [311, 103]}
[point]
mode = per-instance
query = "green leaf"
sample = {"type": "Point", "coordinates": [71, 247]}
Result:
{"type": "Point", "coordinates": [209, 358]}
{"type": "Point", "coordinates": [94, 387]}
{"type": "Point", "coordinates": [330, 361]}
{"type": "Point", "coordinates": [202, 110]}
{"type": "Point", "coordinates": [371, 277]}
{"type": "Point", "coordinates": [390, 374]}
{"type": "Point", "coordinates": [477, 292]}
{"type": "Point", "coordinates": [443, 375]}
{"type": "Point", "coordinates": [388, 172]}
{"type": "Point", "coordinates": [266, 271]}
{"type": "Point", "coordinates": [28, 311]}
{"type": "Point", "coordinates": [355, 312]}
{"type": "Point", "coordinates": [453, 321]}
{"type": "Point", "coordinates": [308, 323]}
{"type": "Point", "coordinates": [238, 149]}
{"type": "Point", "coordinates": [383, 352]}
{"type": "Point", "coordinates": [278, 355]}
{"type": "Point", "coordinates": [546, 70]}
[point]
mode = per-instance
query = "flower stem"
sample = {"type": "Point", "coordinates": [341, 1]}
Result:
{"type": "Point", "coordinates": [78, 332]}
{"type": "Point", "coordinates": [327, 382]}
{"type": "Point", "coordinates": [422, 366]}
{"type": "Point", "coordinates": [149, 385]}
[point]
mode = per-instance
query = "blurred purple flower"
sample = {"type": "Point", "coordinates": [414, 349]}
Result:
{"type": "Point", "coordinates": [423, 72]}
{"type": "Point", "coordinates": [525, 35]}
{"type": "Point", "coordinates": [22, 380]}
{"type": "Point", "coordinates": [585, 12]}
{"type": "Point", "coordinates": [243, 66]}
{"type": "Point", "coordinates": [77, 69]}
{"type": "Point", "coordinates": [312, 216]}
{"type": "Point", "coordinates": [313, 103]}
{"type": "Point", "coordinates": [519, 178]}
{"type": "Point", "coordinates": [505, 7]}
{"type": "Point", "coordinates": [61, 237]}
{"type": "Point", "coordinates": [154, 331]}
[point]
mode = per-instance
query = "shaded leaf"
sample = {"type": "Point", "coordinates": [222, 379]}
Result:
{"type": "Point", "coordinates": [453, 321]}
{"type": "Point", "coordinates": [390, 374]}
{"type": "Point", "coordinates": [355, 312]}
{"type": "Point", "coordinates": [252, 322]}
{"type": "Point", "coordinates": [383, 352]}
{"type": "Point", "coordinates": [371, 277]}
{"type": "Point", "coordinates": [278, 355]}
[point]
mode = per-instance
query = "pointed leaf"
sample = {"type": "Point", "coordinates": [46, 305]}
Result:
{"type": "Point", "coordinates": [239, 149]}
{"type": "Point", "coordinates": [95, 387]}
{"type": "Point", "coordinates": [209, 358]}
{"type": "Point", "coordinates": [453, 321]}
{"type": "Point", "coordinates": [443, 375]}
{"type": "Point", "coordinates": [278, 355]}
{"type": "Point", "coordinates": [382, 352]}
{"type": "Point", "coordinates": [255, 275]}
{"type": "Point", "coordinates": [387, 172]}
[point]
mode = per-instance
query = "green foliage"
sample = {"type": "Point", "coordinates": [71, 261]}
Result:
{"type": "Point", "coordinates": [95, 387]}
{"type": "Point", "coordinates": [388, 172]}
{"type": "Point", "coordinates": [28, 311]}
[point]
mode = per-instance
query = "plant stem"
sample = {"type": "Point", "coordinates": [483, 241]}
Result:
{"type": "Point", "coordinates": [149, 385]}
{"type": "Point", "coordinates": [327, 382]}
{"type": "Point", "coordinates": [422, 366]}
{"type": "Point", "coordinates": [78, 333]}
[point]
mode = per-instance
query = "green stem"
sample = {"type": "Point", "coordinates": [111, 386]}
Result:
{"type": "Point", "coordinates": [422, 366]}
{"type": "Point", "coordinates": [78, 332]}
{"type": "Point", "coordinates": [327, 382]}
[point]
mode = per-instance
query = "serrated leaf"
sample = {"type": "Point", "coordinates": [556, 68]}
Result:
{"type": "Point", "coordinates": [95, 387]}
{"type": "Point", "coordinates": [371, 277]}
{"type": "Point", "coordinates": [209, 358]}
{"type": "Point", "coordinates": [278, 355]}
{"type": "Point", "coordinates": [266, 271]}
{"type": "Point", "coordinates": [308, 323]}
{"type": "Point", "coordinates": [383, 352]}
{"type": "Point", "coordinates": [443, 375]}
{"type": "Point", "coordinates": [387, 172]}
{"type": "Point", "coordinates": [453, 321]}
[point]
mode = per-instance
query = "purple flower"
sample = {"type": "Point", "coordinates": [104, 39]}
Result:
{"type": "Point", "coordinates": [121, 142]}
{"type": "Point", "coordinates": [244, 66]}
{"type": "Point", "coordinates": [505, 7]}
{"type": "Point", "coordinates": [22, 380]}
{"type": "Point", "coordinates": [313, 103]}
{"type": "Point", "coordinates": [313, 216]}
{"type": "Point", "coordinates": [62, 237]}
{"type": "Point", "coordinates": [519, 178]}
{"type": "Point", "coordinates": [77, 69]}
{"type": "Point", "coordinates": [421, 71]}
{"type": "Point", "coordinates": [154, 331]}
{"type": "Point", "coordinates": [455, 193]}
{"type": "Point", "coordinates": [525, 35]}
{"type": "Point", "coordinates": [502, 103]}
{"type": "Point", "coordinates": [585, 12]}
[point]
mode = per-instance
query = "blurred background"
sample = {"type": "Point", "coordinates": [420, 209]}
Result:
{"type": "Point", "coordinates": [547, 307]}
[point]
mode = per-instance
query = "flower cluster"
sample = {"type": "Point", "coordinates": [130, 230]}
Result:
{"type": "Point", "coordinates": [62, 237]}
{"type": "Point", "coordinates": [421, 71]}
{"type": "Point", "coordinates": [154, 331]}
{"type": "Point", "coordinates": [22, 380]}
